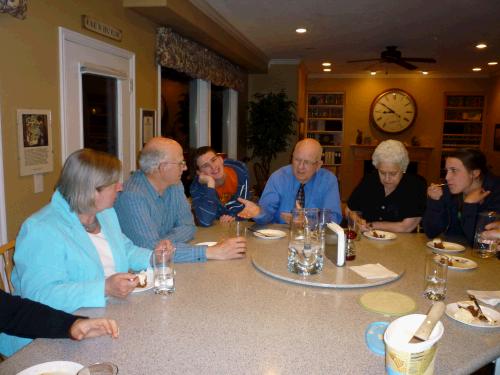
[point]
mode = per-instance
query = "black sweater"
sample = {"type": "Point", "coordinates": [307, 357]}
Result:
{"type": "Point", "coordinates": [25, 318]}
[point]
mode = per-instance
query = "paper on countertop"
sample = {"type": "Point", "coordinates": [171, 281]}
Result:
{"type": "Point", "coordinates": [490, 297]}
{"type": "Point", "coordinates": [373, 271]}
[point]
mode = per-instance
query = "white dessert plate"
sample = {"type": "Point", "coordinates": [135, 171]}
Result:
{"type": "Point", "coordinates": [149, 282]}
{"type": "Point", "coordinates": [452, 308]}
{"type": "Point", "coordinates": [449, 247]}
{"type": "Point", "coordinates": [459, 263]}
{"type": "Point", "coordinates": [269, 234]}
{"type": "Point", "coordinates": [209, 243]}
{"type": "Point", "coordinates": [53, 368]}
{"type": "Point", "coordinates": [379, 235]}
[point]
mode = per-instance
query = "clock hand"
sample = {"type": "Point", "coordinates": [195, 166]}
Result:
{"type": "Point", "coordinates": [390, 110]}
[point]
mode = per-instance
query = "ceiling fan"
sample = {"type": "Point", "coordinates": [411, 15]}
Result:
{"type": "Point", "coordinates": [391, 54]}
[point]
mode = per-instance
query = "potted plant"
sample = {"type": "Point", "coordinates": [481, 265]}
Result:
{"type": "Point", "coordinates": [270, 124]}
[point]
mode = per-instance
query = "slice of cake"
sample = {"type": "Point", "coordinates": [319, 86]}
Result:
{"type": "Point", "coordinates": [143, 279]}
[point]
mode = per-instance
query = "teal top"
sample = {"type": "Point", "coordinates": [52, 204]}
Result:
{"type": "Point", "coordinates": [57, 264]}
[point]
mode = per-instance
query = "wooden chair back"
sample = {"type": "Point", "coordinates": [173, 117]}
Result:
{"type": "Point", "coordinates": [7, 254]}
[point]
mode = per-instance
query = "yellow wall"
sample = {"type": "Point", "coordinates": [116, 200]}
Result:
{"type": "Point", "coordinates": [29, 78]}
{"type": "Point", "coordinates": [428, 94]}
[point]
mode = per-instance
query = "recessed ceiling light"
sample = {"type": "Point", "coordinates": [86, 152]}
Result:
{"type": "Point", "coordinates": [424, 72]}
{"type": "Point", "coordinates": [327, 70]}
{"type": "Point", "coordinates": [476, 69]}
{"type": "Point", "coordinates": [481, 45]}
{"type": "Point", "coordinates": [326, 64]}
{"type": "Point", "coordinates": [301, 30]}
{"type": "Point", "coordinates": [493, 63]}
{"type": "Point", "coordinates": [373, 73]}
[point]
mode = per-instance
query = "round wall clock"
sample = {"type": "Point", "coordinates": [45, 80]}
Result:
{"type": "Point", "coordinates": [393, 111]}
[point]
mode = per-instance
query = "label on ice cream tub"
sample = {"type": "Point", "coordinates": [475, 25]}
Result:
{"type": "Point", "coordinates": [403, 357]}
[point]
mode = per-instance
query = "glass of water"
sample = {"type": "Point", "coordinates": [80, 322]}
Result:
{"type": "Point", "coordinates": [482, 247]}
{"type": "Point", "coordinates": [436, 274]}
{"type": "Point", "coordinates": [164, 274]}
{"type": "Point", "coordinates": [304, 247]}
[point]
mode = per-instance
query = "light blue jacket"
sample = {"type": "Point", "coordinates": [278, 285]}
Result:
{"type": "Point", "coordinates": [57, 264]}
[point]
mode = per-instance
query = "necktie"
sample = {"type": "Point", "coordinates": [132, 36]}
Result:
{"type": "Point", "coordinates": [301, 197]}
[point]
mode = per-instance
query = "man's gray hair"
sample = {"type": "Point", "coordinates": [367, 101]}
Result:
{"type": "Point", "coordinates": [391, 151]}
{"type": "Point", "coordinates": [150, 159]}
{"type": "Point", "coordinates": [85, 172]}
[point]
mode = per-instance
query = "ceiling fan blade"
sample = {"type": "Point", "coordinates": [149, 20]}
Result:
{"type": "Point", "coordinates": [420, 59]}
{"type": "Point", "coordinates": [404, 64]}
{"type": "Point", "coordinates": [364, 60]}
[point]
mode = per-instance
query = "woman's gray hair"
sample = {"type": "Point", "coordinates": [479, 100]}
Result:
{"type": "Point", "coordinates": [150, 159]}
{"type": "Point", "coordinates": [391, 151]}
{"type": "Point", "coordinates": [84, 172]}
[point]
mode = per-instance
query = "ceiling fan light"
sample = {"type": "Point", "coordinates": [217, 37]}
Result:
{"type": "Point", "coordinates": [424, 72]}
{"type": "Point", "coordinates": [476, 69]}
{"type": "Point", "coordinates": [326, 63]}
{"type": "Point", "coordinates": [481, 45]}
{"type": "Point", "coordinates": [301, 30]}
{"type": "Point", "coordinates": [491, 63]}
{"type": "Point", "coordinates": [327, 70]}
{"type": "Point", "coordinates": [373, 73]}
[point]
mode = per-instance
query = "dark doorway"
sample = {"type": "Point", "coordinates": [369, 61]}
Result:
{"type": "Point", "coordinates": [216, 117]}
{"type": "Point", "coordinates": [100, 125]}
{"type": "Point", "coordinates": [174, 121]}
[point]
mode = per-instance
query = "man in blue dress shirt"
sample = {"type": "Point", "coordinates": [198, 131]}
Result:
{"type": "Point", "coordinates": [153, 206]}
{"type": "Point", "coordinates": [301, 184]}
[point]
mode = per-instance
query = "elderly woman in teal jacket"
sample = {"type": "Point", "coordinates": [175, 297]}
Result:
{"type": "Point", "coordinates": [72, 253]}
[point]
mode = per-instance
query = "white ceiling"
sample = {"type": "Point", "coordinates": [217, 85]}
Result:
{"type": "Point", "coordinates": [341, 30]}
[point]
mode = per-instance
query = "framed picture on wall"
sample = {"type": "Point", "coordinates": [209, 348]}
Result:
{"type": "Point", "coordinates": [496, 138]}
{"type": "Point", "coordinates": [148, 124]}
{"type": "Point", "coordinates": [35, 141]}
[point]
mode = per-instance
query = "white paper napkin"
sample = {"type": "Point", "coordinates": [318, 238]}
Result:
{"type": "Point", "coordinates": [373, 271]}
{"type": "Point", "coordinates": [490, 297]}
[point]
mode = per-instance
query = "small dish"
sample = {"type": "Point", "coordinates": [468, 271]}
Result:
{"type": "Point", "coordinates": [209, 243]}
{"type": "Point", "coordinates": [269, 234]}
{"type": "Point", "coordinates": [54, 367]}
{"type": "Point", "coordinates": [448, 247]}
{"type": "Point", "coordinates": [452, 309]}
{"type": "Point", "coordinates": [379, 235]}
{"type": "Point", "coordinates": [149, 282]}
{"type": "Point", "coordinates": [459, 263]}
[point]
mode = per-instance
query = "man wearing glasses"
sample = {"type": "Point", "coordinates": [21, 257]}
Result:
{"type": "Point", "coordinates": [153, 206]}
{"type": "Point", "coordinates": [302, 184]}
{"type": "Point", "coordinates": [217, 186]}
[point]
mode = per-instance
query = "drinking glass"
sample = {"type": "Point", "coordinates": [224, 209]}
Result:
{"type": "Point", "coordinates": [482, 247]}
{"type": "Point", "coordinates": [304, 246]}
{"type": "Point", "coordinates": [163, 265]}
{"type": "Point", "coordinates": [436, 273]}
{"type": "Point", "coordinates": [353, 226]}
{"type": "Point", "coordinates": [325, 217]}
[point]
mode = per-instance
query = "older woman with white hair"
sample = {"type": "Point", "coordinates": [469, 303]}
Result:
{"type": "Point", "coordinates": [389, 198]}
{"type": "Point", "coordinates": [72, 253]}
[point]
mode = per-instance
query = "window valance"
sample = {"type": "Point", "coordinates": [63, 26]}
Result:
{"type": "Point", "coordinates": [186, 56]}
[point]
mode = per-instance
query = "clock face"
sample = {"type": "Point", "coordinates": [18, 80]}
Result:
{"type": "Point", "coordinates": [393, 111]}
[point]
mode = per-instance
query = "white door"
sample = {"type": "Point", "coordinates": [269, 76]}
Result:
{"type": "Point", "coordinates": [79, 54]}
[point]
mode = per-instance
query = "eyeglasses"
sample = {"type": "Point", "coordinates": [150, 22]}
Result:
{"type": "Point", "coordinates": [307, 163]}
{"type": "Point", "coordinates": [209, 163]}
{"type": "Point", "coordinates": [181, 163]}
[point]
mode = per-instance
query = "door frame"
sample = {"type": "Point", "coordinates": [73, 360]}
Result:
{"type": "Point", "coordinates": [69, 36]}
